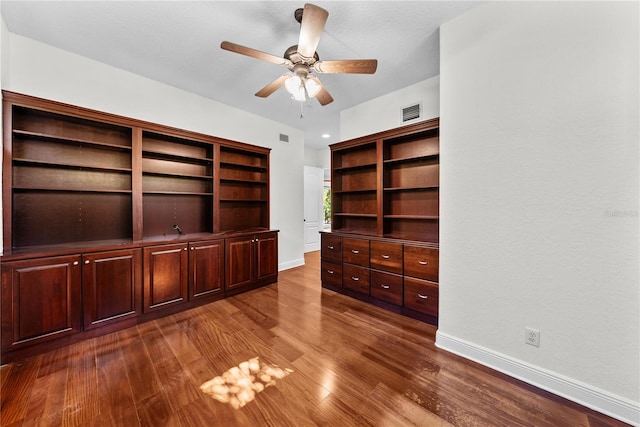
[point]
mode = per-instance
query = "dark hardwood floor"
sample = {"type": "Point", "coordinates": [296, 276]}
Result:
{"type": "Point", "coordinates": [292, 353]}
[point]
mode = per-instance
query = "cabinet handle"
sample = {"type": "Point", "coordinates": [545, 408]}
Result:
{"type": "Point", "coordinates": [87, 261]}
{"type": "Point", "coordinates": [385, 256]}
{"type": "Point", "coordinates": [257, 240]}
{"type": "Point", "coordinates": [192, 248]}
{"type": "Point", "coordinates": [423, 262]}
{"type": "Point", "coordinates": [385, 286]}
{"type": "Point", "coordinates": [423, 296]}
{"type": "Point", "coordinates": [184, 249]}
{"type": "Point", "coordinates": [75, 263]}
{"type": "Point", "coordinates": [330, 247]}
{"type": "Point", "coordinates": [330, 271]}
{"type": "Point", "coordinates": [355, 252]}
{"type": "Point", "coordinates": [354, 278]}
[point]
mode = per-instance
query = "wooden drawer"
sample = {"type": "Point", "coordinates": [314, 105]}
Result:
{"type": "Point", "coordinates": [421, 262]}
{"type": "Point", "coordinates": [331, 247]}
{"type": "Point", "coordinates": [386, 256]}
{"type": "Point", "coordinates": [355, 251]}
{"type": "Point", "coordinates": [421, 295]}
{"type": "Point", "coordinates": [386, 287]}
{"type": "Point", "coordinates": [331, 273]}
{"type": "Point", "coordinates": [356, 278]}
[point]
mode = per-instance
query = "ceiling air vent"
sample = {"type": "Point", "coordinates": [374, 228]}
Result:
{"type": "Point", "coordinates": [284, 138]}
{"type": "Point", "coordinates": [411, 112]}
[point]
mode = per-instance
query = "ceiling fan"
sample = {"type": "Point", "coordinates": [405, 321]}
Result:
{"type": "Point", "coordinates": [302, 60]}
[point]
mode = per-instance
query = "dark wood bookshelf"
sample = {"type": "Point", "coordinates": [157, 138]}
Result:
{"type": "Point", "coordinates": [129, 219]}
{"type": "Point", "coordinates": [385, 198]}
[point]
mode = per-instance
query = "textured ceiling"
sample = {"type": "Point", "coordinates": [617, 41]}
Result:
{"type": "Point", "coordinates": [178, 43]}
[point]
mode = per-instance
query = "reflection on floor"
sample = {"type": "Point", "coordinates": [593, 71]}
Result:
{"type": "Point", "coordinates": [240, 384]}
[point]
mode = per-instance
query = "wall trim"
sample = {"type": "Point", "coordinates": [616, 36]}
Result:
{"type": "Point", "coordinates": [291, 264]}
{"type": "Point", "coordinates": [599, 400]}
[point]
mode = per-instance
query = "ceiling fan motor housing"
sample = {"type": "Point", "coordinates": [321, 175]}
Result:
{"type": "Point", "coordinates": [292, 55]}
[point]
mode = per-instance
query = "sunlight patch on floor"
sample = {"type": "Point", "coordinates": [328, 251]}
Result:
{"type": "Point", "coordinates": [240, 385]}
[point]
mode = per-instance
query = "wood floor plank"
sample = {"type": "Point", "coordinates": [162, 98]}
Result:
{"type": "Point", "coordinates": [17, 384]}
{"type": "Point", "coordinates": [342, 363]}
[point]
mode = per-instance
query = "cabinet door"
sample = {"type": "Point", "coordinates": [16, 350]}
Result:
{"type": "Point", "coordinates": [267, 255]}
{"type": "Point", "coordinates": [421, 295]}
{"type": "Point", "coordinates": [355, 278]}
{"type": "Point", "coordinates": [40, 300]}
{"type": "Point", "coordinates": [421, 262]}
{"type": "Point", "coordinates": [239, 262]}
{"type": "Point", "coordinates": [112, 289]}
{"type": "Point", "coordinates": [331, 247]}
{"type": "Point", "coordinates": [355, 251]}
{"type": "Point", "coordinates": [206, 265]}
{"type": "Point", "coordinates": [165, 276]}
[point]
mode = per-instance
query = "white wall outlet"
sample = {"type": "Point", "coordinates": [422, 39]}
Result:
{"type": "Point", "coordinates": [532, 337]}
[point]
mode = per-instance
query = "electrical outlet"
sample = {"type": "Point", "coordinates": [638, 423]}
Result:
{"type": "Point", "coordinates": [532, 337]}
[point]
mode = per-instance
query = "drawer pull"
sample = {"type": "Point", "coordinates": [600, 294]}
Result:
{"type": "Point", "coordinates": [423, 296]}
{"type": "Point", "coordinates": [330, 271]}
{"type": "Point", "coordinates": [75, 263]}
{"type": "Point", "coordinates": [87, 261]}
{"type": "Point", "coordinates": [354, 251]}
{"type": "Point", "coordinates": [385, 256]}
{"type": "Point", "coordinates": [383, 286]}
{"type": "Point", "coordinates": [330, 247]}
{"type": "Point", "coordinates": [354, 278]}
{"type": "Point", "coordinates": [423, 262]}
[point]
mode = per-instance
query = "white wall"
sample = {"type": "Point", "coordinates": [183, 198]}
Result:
{"type": "Point", "coordinates": [385, 112]}
{"type": "Point", "coordinates": [44, 71]}
{"type": "Point", "coordinates": [539, 195]}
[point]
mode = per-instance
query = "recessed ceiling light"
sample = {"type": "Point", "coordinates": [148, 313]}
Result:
{"type": "Point", "coordinates": [325, 135]}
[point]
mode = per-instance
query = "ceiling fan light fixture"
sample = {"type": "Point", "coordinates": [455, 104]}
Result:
{"type": "Point", "coordinates": [302, 87]}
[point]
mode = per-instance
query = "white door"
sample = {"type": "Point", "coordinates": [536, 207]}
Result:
{"type": "Point", "coordinates": [313, 219]}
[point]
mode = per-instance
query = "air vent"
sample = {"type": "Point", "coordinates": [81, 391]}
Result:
{"type": "Point", "coordinates": [411, 112]}
{"type": "Point", "coordinates": [284, 138]}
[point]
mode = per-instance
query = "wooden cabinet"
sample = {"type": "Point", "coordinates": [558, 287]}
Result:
{"type": "Point", "coordinates": [385, 212]}
{"type": "Point", "coordinates": [41, 300]}
{"type": "Point", "coordinates": [109, 221]}
{"type": "Point", "coordinates": [206, 269]}
{"type": "Point", "coordinates": [111, 284]}
{"type": "Point", "coordinates": [251, 260]}
{"type": "Point", "coordinates": [165, 276]}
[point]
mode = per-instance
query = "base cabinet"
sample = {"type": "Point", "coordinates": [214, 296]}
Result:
{"type": "Point", "coordinates": [111, 288]}
{"type": "Point", "coordinates": [206, 269]}
{"type": "Point", "coordinates": [51, 301]}
{"type": "Point", "coordinates": [165, 276]}
{"type": "Point", "coordinates": [40, 300]}
{"type": "Point", "coordinates": [251, 261]}
{"type": "Point", "coordinates": [396, 274]}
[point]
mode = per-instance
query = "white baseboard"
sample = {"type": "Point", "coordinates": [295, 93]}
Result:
{"type": "Point", "coordinates": [599, 400]}
{"type": "Point", "coordinates": [291, 264]}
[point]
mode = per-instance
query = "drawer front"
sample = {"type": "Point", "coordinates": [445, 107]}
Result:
{"type": "Point", "coordinates": [421, 295]}
{"type": "Point", "coordinates": [386, 256]}
{"type": "Point", "coordinates": [356, 278]}
{"type": "Point", "coordinates": [331, 273]}
{"type": "Point", "coordinates": [421, 262]}
{"type": "Point", "coordinates": [386, 287]}
{"type": "Point", "coordinates": [331, 247]}
{"type": "Point", "coordinates": [355, 251]}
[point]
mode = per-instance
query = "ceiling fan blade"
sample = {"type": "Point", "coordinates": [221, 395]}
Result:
{"type": "Point", "coordinates": [348, 66]}
{"type": "Point", "coordinates": [243, 50]}
{"type": "Point", "coordinates": [311, 27]}
{"type": "Point", "coordinates": [273, 86]}
{"type": "Point", "coordinates": [323, 97]}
